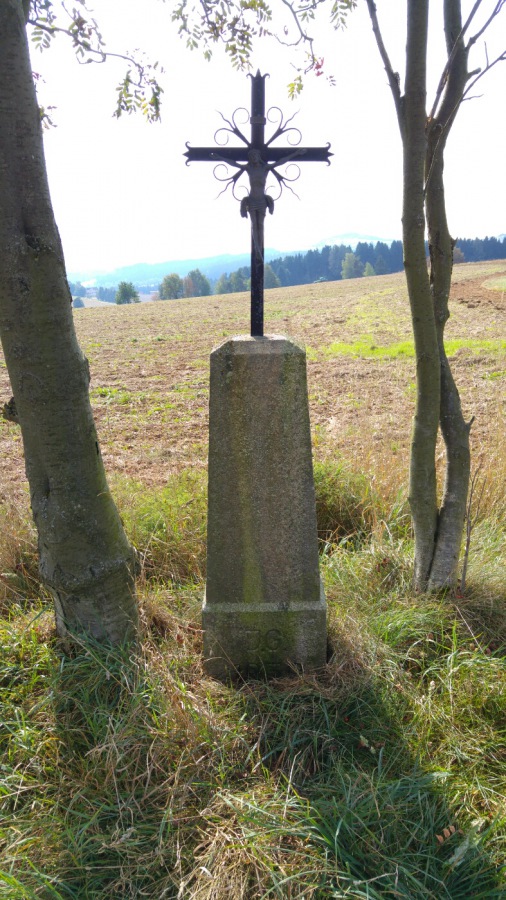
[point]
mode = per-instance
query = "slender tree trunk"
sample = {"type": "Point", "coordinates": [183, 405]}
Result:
{"type": "Point", "coordinates": [454, 429]}
{"type": "Point", "coordinates": [422, 476]}
{"type": "Point", "coordinates": [438, 531]}
{"type": "Point", "coordinates": [85, 558]}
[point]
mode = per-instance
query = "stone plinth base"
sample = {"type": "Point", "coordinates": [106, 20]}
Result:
{"type": "Point", "coordinates": [263, 642]}
{"type": "Point", "coordinates": [264, 611]}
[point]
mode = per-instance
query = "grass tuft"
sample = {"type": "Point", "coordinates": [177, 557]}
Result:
{"type": "Point", "coordinates": [344, 503]}
{"type": "Point", "coordinates": [133, 774]}
{"type": "Point", "coordinates": [18, 555]}
{"type": "Point", "coordinates": [167, 525]}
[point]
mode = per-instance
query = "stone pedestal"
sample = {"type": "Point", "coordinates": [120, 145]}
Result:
{"type": "Point", "coordinates": [264, 611]}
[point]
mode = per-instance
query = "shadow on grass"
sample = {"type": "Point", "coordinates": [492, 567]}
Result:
{"type": "Point", "coordinates": [120, 745]}
{"type": "Point", "coordinates": [158, 782]}
{"type": "Point", "coordinates": [343, 809]}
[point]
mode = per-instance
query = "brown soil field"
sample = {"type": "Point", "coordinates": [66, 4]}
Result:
{"type": "Point", "coordinates": [150, 367]}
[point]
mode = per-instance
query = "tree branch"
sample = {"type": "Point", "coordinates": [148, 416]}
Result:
{"type": "Point", "coordinates": [452, 90]}
{"type": "Point", "coordinates": [303, 36]}
{"type": "Point", "coordinates": [495, 12]}
{"type": "Point", "coordinates": [481, 72]}
{"type": "Point", "coordinates": [471, 16]}
{"type": "Point", "coordinates": [393, 77]}
{"type": "Point", "coordinates": [139, 92]}
{"type": "Point", "coordinates": [454, 45]}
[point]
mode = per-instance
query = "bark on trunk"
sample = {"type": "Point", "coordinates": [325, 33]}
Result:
{"type": "Point", "coordinates": [438, 532]}
{"type": "Point", "coordinates": [422, 476]}
{"type": "Point", "coordinates": [455, 430]}
{"type": "Point", "coordinates": [85, 558]}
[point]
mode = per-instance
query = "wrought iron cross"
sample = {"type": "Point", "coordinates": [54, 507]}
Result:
{"type": "Point", "coordinates": [257, 158]}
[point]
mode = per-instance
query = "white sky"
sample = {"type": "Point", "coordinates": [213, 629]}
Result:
{"type": "Point", "coordinates": [122, 193]}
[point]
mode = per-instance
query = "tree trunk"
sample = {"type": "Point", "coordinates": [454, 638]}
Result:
{"type": "Point", "coordinates": [438, 532]}
{"type": "Point", "coordinates": [422, 476]}
{"type": "Point", "coordinates": [454, 429]}
{"type": "Point", "coordinates": [85, 558]}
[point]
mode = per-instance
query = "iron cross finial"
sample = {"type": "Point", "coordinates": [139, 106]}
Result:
{"type": "Point", "coordinates": [257, 159]}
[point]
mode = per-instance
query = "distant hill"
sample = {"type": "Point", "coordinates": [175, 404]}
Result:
{"type": "Point", "coordinates": [151, 274]}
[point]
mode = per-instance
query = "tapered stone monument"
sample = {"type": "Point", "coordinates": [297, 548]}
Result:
{"type": "Point", "coordinates": [264, 612]}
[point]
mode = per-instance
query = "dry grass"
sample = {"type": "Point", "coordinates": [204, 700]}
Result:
{"type": "Point", "coordinates": [150, 364]}
{"type": "Point", "coordinates": [18, 558]}
{"type": "Point", "coordinates": [137, 776]}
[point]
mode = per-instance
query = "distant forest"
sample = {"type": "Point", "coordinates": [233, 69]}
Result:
{"type": "Point", "coordinates": [340, 262]}
{"type": "Point", "coordinates": [330, 264]}
{"type": "Point", "coordinates": [334, 263]}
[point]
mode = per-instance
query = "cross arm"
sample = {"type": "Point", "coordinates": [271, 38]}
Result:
{"type": "Point", "coordinates": [272, 155]}
{"type": "Point", "coordinates": [277, 155]}
{"type": "Point", "coordinates": [216, 154]}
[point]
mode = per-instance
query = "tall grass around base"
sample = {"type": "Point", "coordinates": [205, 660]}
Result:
{"type": "Point", "coordinates": [129, 773]}
{"type": "Point", "coordinates": [18, 554]}
{"type": "Point", "coordinates": [167, 525]}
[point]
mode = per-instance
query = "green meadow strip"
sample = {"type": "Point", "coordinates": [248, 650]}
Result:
{"type": "Point", "coordinates": [367, 348]}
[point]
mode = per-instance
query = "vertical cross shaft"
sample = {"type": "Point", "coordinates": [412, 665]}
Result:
{"type": "Point", "coordinates": [257, 121]}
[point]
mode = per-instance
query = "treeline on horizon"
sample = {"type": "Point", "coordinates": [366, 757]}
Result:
{"type": "Point", "coordinates": [331, 263]}
{"type": "Point", "coordinates": [337, 262]}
